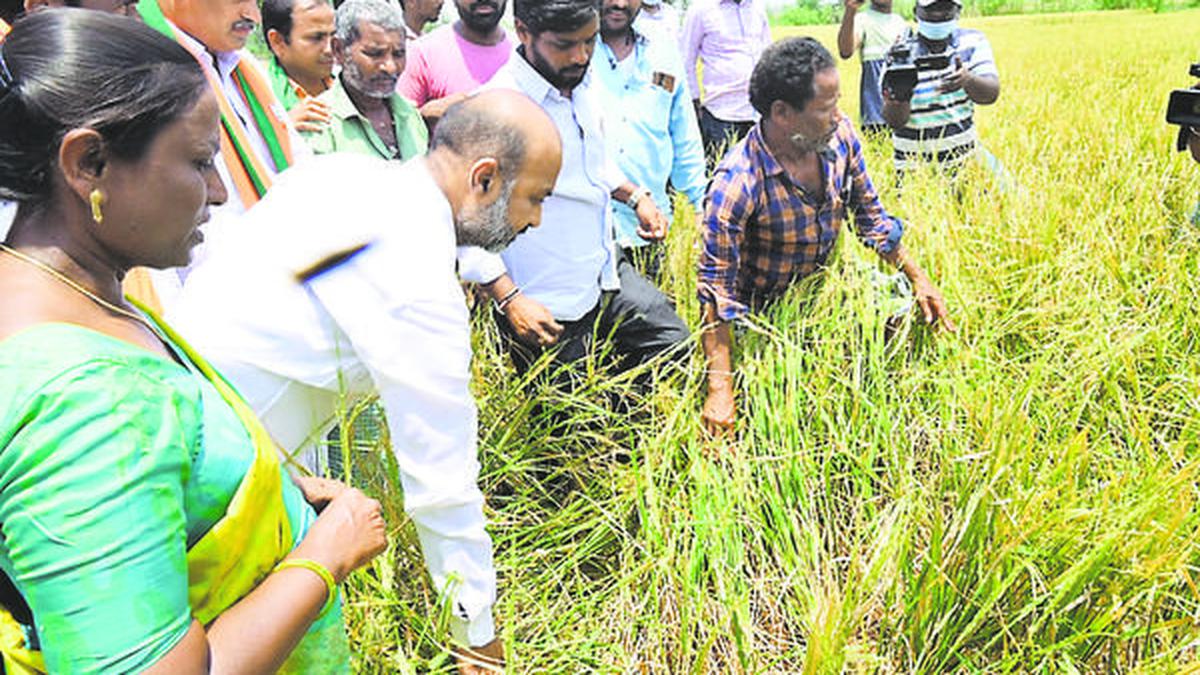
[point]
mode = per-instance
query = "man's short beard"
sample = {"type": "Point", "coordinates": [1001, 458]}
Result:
{"type": "Point", "coordinates": [484, 25]}
{"type": "Point", "coordinates": [803, 143]}
{"type": "Point", "coordinates": [554, 77]}
{"type": "Point", "coordinates": [352, 74]}
{"type": "Point", "coordinates": [607, 33]}
{"type": "Point", "coordinates": [488, 227]}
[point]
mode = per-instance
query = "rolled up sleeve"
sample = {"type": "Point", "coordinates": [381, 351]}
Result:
{"type": "Point", "coordinates": [870, 218]}
{"type": "Point", "coordinates": [728, 209]}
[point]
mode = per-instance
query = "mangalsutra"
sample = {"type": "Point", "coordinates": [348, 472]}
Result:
{"type": "Point", "coordinates": [45, 267]}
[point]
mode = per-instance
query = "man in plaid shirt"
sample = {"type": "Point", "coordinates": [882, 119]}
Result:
{"type": "Point", "coordinates": [776, 205]}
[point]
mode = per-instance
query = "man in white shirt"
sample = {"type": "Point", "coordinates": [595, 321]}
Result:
{"type": "Point", "coordinates": [562, 285]}
{"type": "Point", "coordinates": [660, 18]}
{"type": "Point", "coordinates": [304, 318]}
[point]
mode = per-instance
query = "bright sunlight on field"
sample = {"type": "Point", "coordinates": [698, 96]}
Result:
{"type": "Point", "coordinates": [1019, 497]}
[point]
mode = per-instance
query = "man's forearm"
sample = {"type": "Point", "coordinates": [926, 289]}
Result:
{"type": "Point", "coordinates": [500, 287]}
{"type": "Point", "coordinates": [717, 342]}
{"type": "Point", "coordinates": [896, 113]}
{"type": "Point", "coordinates": [904, 262]}
{"type": "Point", "coordinates": [982, 89]}
{"type": "Point", "coordinates": [845, 37]}
{"type": "Point", "coordinates": [624, 191]}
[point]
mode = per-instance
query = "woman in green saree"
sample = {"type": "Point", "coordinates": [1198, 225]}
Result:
{"type": "Point", "coordinates": [145, 521]}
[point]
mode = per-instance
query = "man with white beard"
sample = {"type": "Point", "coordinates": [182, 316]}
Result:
{"type": "Point", "coordinates": [313, 303]}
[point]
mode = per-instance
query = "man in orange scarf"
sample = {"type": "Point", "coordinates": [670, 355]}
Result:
{"type": "Point", "coordinates": [256, 139]}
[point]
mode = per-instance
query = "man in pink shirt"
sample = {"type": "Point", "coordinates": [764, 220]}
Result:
{"type": "Point", "coordinates": [454, 60]}
{"type": "Point", "coordinates": [727, 37]}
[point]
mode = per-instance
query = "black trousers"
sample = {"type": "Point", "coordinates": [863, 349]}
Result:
{"type": "Point", "coordinates": [639, 320]}
{"type": "Point", "coordinates": [719, 135]}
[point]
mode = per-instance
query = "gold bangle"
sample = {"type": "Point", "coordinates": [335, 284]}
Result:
{"type": "Point", "coordinates": [318, 569]}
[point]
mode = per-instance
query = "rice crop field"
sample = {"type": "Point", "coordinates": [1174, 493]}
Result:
{"type": "Point", "coordinates": [1019, 497]}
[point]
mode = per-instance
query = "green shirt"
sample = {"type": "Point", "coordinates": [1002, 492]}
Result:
{"type": "Point", "coordinates": [113, 461]}
{"type": "Point", "coordinates": [281, 85]}
{"type": "Point", "coordinates": [350, 131]}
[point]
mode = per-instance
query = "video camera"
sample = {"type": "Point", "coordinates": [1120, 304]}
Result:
{"type": "Point", "coordinates": [902, 67]}
{"type": "Point", "coordinates": [1183, 109]}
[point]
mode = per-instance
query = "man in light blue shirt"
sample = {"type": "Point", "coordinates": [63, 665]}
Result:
{"type": "Point", "coordinates": [560, 285]}
{"type": "Point", "coordinates": [652, 126]}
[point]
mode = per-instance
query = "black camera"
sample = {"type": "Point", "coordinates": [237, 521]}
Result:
{"type": "Point", "coordinates": [903, 65]}
{"type": "Point", "coordinates": [1183, 108]}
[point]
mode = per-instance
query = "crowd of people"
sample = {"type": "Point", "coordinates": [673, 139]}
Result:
{"type": "Point", "coordinates": [210, 255]}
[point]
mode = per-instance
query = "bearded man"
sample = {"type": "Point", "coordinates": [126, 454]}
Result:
{"type": "Point", "coordinates": [565, 286]}
{"type": "Point", "coordinates": [305, 317]}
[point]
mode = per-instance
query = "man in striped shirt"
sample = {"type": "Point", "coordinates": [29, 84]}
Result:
{"type": "Point", "coordinates": [937, 124]}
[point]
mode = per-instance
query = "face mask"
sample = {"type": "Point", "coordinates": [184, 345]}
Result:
{"type": "Point", "coordinates": [940, 30]}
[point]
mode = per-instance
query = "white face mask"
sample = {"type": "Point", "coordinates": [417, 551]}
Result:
{"type": "Point", "coordinates": [937, 30]}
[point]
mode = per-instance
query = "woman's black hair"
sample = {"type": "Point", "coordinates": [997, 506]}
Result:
{"type": "Point", "coordinates": [64, 69]}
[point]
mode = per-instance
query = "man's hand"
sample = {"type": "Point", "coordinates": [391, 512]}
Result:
{"type": "Point", "coordinates": [532, 322]}
{"type": "Point", "coordinates": [855, 5]}
{"type": "Point", "coordinates": [652, 224]}
{"type": "Point", "coordinates": [720, 411]}
{"type": "Point", "coordinates": [318, 492]}
{"type": "Point", "coordinates": [933, 305]}
{"type": "Point", "coordinates": [957, 79]}
{"type": "Point", "coordinates": [480, 660]}
{"type": "Point", "coordinates": [310, 115]}
{"type": "Point", "coordinates": [433, 110]}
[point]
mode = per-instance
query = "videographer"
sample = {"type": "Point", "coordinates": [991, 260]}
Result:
{"type": "Point", "coordinates": [1193, 143]}
{"type": "Point", "coordinates": [933, 121]}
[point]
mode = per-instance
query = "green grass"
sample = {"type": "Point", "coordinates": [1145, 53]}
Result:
{"type": "Point", "coordinates": [1017, 498]}
{"type": "Point", "coordinates": [815, 12]}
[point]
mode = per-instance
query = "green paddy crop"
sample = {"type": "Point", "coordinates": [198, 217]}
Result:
{"type": "Point", "coordinates": [1020, 497]}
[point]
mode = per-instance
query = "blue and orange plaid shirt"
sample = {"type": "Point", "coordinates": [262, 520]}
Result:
{"type": "Point", "coordinates": [762, 231]}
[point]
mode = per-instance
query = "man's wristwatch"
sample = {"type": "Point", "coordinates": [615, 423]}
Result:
{"type": "Point", "coordinates": [638, 195]}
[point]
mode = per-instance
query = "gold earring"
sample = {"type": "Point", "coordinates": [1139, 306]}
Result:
{"type": "Point", "coordinates": [97, 198]}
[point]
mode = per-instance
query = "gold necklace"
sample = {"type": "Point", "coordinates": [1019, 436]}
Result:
{"type": "Point", "coordinates": [45, 267]}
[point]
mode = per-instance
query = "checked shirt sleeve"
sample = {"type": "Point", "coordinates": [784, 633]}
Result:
{"type": "Point", "coordinates": [870, 218]}
{"type": "Point", "coordinates": [728, 209]}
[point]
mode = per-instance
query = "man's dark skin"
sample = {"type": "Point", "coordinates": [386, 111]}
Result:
{"type": "Point", "coordinates": [616, 25]}
{"type": "Point", "coordinates": [815, 121]}
{"type": "Point", "coordinates": [847, 45]}
{"type": "Point", "coordinates": [419, 13]}
{"type": "Point", "coordinates": [563, 59]}
{"type": "Point", "coordinates": [981, 89]}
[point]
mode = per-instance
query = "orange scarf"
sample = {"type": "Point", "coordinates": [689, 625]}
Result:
{"type": "Point", "coordinates": [248, 171]}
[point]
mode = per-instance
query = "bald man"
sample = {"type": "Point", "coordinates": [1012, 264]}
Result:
{"type": "Point", "coordinates": [305, 318]}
